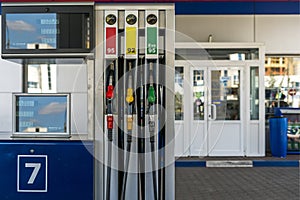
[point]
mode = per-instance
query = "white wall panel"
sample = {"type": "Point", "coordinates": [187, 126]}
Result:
{"type": "Point", "coordinates": [71, 78]}
{"type": "Point", "coordinates": [280, 33]}
{"type": "Point", "coordinates": [198, 139]}
{"type": "Point", "coordinates": [223, 28]}
{"type": "Point", "coordinates": [253, 148]}
{"type": "Point", "coordinates": [79, 113]}
{"type": "Point", "coordinates": [10, 82]}
{"type": "Point", "coordinates": [10, 74]}
{"type": "Point", "coordinates": [179, 139]}
{"type": "Point", "coordinates": [5, 112]}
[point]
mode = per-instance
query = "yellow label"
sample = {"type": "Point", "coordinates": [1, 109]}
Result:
{"type": "Point", "coordinates": [130, 40]}
{"type": "Point", "coordinates": [129, 123]}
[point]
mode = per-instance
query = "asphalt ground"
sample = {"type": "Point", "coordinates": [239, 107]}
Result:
{"type": "Point", "coordinates": [257, 183]}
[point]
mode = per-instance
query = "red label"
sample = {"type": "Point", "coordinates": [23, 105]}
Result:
{"type": "Point", "coordinates": [111, 41]}
{"type": "Point", "coordinates": [110, 122]}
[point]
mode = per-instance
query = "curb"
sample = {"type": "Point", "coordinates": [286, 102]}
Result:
{"type": "Point", "coordinates": [237, 163]}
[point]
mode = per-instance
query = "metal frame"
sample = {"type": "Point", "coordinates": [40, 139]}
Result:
{"type": "Point", "coordinates": [66, 134]}
{"type": "Point", "coordinates": [43, 8]}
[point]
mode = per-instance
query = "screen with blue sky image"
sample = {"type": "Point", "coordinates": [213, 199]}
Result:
{"type": "Point", "coordinates": [27, 30]}
{"type": "Point", "coordinates": [42, 113]}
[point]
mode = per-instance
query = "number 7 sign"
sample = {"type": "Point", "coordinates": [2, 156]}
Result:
{"type": "Point", "coordinates": [32, 173]}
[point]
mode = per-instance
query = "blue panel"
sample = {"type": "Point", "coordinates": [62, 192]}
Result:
{"type": "Point", "coordinates": [232, 7]}
{"type": "Point", "coordinates": [192, 8]}
{"type": "Point", "coordinates": [293, 152]}
{"type": "Point", "coordinates": [277, 7]}
{"type": "Point", "coordinates": [66, 170]}
{"type": "Point", "coordinates": [260, 163]}
{"type": "Point", "coordinates": [235, 7]}
{"type": "Point", "coordinates": [190, 163]}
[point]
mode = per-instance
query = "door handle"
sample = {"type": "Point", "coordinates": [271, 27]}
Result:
{"type": "Point", "coordinates": [213, 112]}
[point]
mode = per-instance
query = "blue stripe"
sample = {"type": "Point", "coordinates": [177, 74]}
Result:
{"type": "Point", "coordinates": [198, 8]}
{"type": "Point", "coordinates": [239, 8]}
{"type": "Point", "coordinates": [277, 8]}
{"type": "Point", "coordinates": [263, 163]}
{"type": "Point", "coordinates": [193, 8]}
{"type": "Point", "coordinates": [293, 152]}
{"type": "Point", "coordinates": [190, 163]}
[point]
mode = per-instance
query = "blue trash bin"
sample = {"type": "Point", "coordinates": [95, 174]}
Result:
{"type": "Point", "coordinates": [278, 136]}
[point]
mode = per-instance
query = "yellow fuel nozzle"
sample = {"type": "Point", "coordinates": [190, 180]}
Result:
{"type": "Point", "coordinates": [129, 96]}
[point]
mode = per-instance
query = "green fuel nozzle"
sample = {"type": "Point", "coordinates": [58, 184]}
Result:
{"type": "Point", "coordinates": [151, 95]}
{"type": "Point", "coordinates": [151, 91]}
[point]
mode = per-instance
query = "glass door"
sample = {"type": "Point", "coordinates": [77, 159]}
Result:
{"type": "Point", "coordinates": [217, 104]}
{"type": "Point", "coordinates": [225, 135]}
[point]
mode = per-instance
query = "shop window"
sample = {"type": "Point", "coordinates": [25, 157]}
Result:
{"type": "Point", "coordinates": [282, 76]}
{"type": "Point", "coordinates": [179, 92]}
{"type": "Point", "coordinates": [254, 93]}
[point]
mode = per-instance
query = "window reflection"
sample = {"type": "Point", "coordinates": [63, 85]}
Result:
{"type": "Point", "coordinates": [41, 114]}
{"type": "Point", "coordinates": [41, 78]}
{"type": "Point", "coordinates": [198, 94]}
{"type": "Point", "coordinates": [254, 93]}
{"type": "Point", "coordinates": [282, 82]}
{"type": "Point", "coordinates": [31, 31]}
{"type": "Point", "coordinates": [225, 93]}
{"type": "Point", "coordinates": [179, 92]}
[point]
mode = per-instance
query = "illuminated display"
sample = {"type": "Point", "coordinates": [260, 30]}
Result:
{"type": "Point", "coordinates": [47, 29]}
{"type": "Point", "coordinates": [31, 31]}
{"type": "Point", "coordinates": [41, 113]}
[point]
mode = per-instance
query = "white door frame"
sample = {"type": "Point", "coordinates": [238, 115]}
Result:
{"type": "Point", "coordinates": [254, 129]}
{"type": "Point", "coordinates": [193, 143]}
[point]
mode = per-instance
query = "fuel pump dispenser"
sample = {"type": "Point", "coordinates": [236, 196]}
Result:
{"type": "Point", "coordinates": [151, 51]}
{"type": "Point", "coordinates": [135, 56]}
{"type": "Point", "coordinates": [111, 61]}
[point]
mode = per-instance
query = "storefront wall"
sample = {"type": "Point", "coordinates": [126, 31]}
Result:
{"type": "Point", "coordinates": [277, 27]}
{"type": "Point", "coordinates": [280, 33]}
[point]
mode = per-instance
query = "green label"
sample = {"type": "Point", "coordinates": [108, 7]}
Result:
{"type": "Point", "coordinates": [151, 40]}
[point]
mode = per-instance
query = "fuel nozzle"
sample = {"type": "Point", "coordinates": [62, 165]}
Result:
{"type": "Point", "coordinates": [129, 96]}
{"type": "Point", "coordinates": [151, 101]}
{"type": "Point", "coordinates": [129, 100]}
{"type": "Point", "coordinates": [110, 87]}
{"type": "Point", "coordinates": [151, 91]}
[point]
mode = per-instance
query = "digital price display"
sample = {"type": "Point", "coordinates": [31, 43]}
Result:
{"type": "Point", "coordinates": [31, 31]}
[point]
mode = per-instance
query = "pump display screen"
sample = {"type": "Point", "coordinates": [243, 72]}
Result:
{"type": "Point", "coordinates": [40, 30]}
{"type": "Point", "coordinates": [31, 31]}
{"type": "Point", "coordinates": [41, 113]}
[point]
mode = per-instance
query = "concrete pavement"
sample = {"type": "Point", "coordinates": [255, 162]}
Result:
{"type": "Point", "coordinates": [257, 183]}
